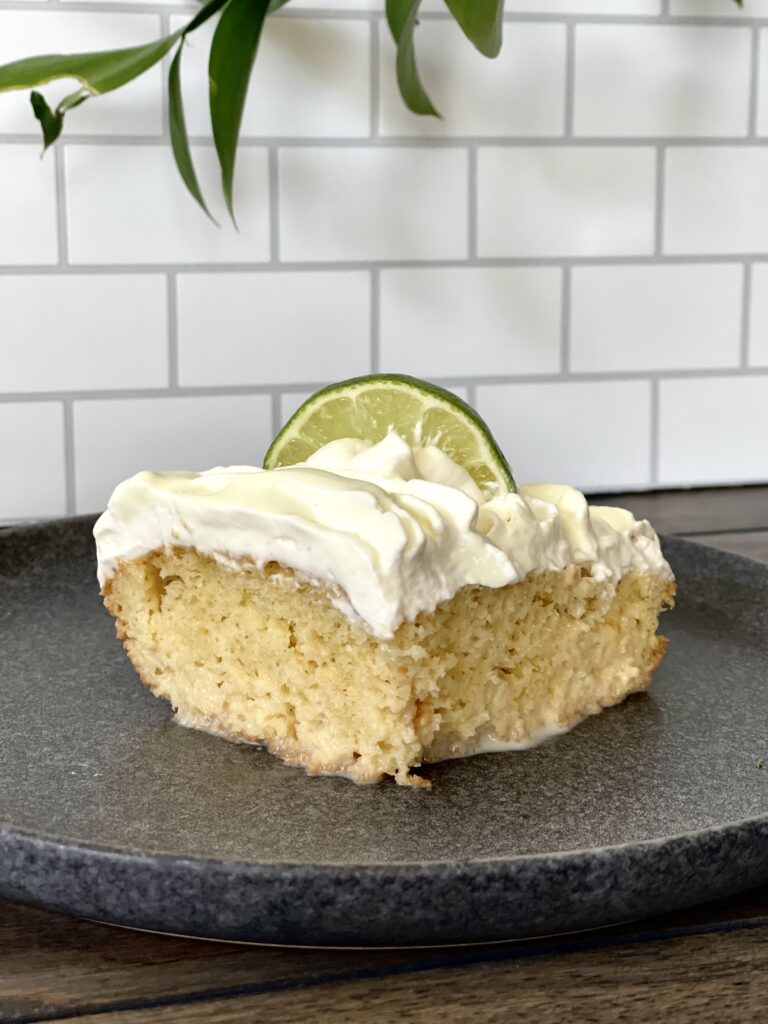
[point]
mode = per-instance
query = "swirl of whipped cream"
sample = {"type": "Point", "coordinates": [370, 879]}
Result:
{"type": "Point", "coordinates": [395, 530]}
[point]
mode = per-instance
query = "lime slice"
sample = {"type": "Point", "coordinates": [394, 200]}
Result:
{"type": "Point", "coordinates": [423, 414]}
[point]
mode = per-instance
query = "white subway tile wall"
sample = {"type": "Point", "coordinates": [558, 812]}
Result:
{"type": "Point", "coordinates": [598, 438]}
{"type": "Point", "coordinates": [714, 9]}
{"type": "Point", "coordinates": [28, 227]}
{"type": "Point", "coordinates": [471, 321]}
{"type": "Point", "coordinates": [529, 73]}
{"type": "Point", "coordinates": [612, 7]}
{"type": "Point", "coordinates": [312, 79]}
{"type": "Point", "coordinates": [314, 325]}
{"type": "Point", "coordinates": [32, 460]}
{"type": "Point", "coordinates": [579, 246]}
{"type": "Point", "coordinates": [565, 201]}
{"type": "Point", "coordinates": [716, 425]}
{"type": "Point", "coordinates": [113, 438]}
{"type": "Point", "coordinates": [641, 7]}
{"type": "Point", "coordinates": [716, 200]}
{"type": "Point", "coordinates": [653, 317]}
{"type": "Point", "coordinates": [124, 206]}
{"type": "Point", "coordinates": [667, 80]}
{"type": "Point", "coordinates": [86, 332]}
{"type": "Point", "coordinates": [373, 203]}
{"type": "Point", "coordinates": [762, 84]}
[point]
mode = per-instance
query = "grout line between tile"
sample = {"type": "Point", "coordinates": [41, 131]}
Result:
{"type": "Point", "coordinates": [565, 321]}
{"type": "Point", "coordinates": [754, 82]}
{"type": "Point", "coordinates": [459, 380]}
{"type": "Point", "coordinates": [61, 206]}
{"type": "Point", "coordinates": [737, 18]}
{"type": "Point", "coordinates": [70, 490]}
{"type": "Point", "coordinates": [746, 304]}
{"type": "Point", "coordinates": [375, 355]}
{"type": "Point", "coordinates": [275, 413]}
{"type": "Point", "coordinates": [472, 198]}
{"type": "Point", "coordinates": [173, 332]}
{"type": "Point", "coordinates": [658, 214]}
{"type": "Point", "coordinates": [274, 206]}
{"type": "Point", "coordinates": [165, 21]}
{"type": "Point", "coordinates": [570, 79]}
{"type": "Point", "coordinates": [375, 99]}
{"type": "Point", "coordinates": [350, 266]}
{"type": "Point", "coordinates": [654, 440]}
{"type": "Point", "coordinates": [411, 141]}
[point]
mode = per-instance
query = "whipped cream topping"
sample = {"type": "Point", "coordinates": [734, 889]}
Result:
{"type": "Point", "coordinates": [395, 530]}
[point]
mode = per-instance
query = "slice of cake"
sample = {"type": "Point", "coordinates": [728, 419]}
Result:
{"type": "Point", "coordinates": [370, 609]}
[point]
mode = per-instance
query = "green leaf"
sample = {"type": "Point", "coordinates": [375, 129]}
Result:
{"type": "Point", "coordinates": [402, 18]}
{"type": "Point", "coordinates": [275, 5]}
{"type": "Point", "coordinates": [206, 12]}
{"type": "Point", "coordinates": [233, 52]}
{"type": "Point", "coordinates": [51, 122]}
{"type": "Point", "coordinates": [97, 72]}
{"type": "Point", "coordinates": [179, 138]}
{"type": "Point", "coordinates": [481, 22]}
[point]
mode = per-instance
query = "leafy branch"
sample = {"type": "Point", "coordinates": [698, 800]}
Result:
{"type": "Point", "coordinates": [230, 63]}
{"type": "Point", "coordinates": [232, 55]}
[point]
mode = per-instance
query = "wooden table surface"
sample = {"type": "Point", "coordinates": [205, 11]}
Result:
{"type": "Point", "coordinates": [709, 964]}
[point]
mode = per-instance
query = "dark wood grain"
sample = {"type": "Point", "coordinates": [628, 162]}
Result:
{"type": "Point", "coordinates": [710, 979]}
{"type": "Point", "coordinates": [708, 964]}
{"type": "Point", "coordinates": [709, 510]}
{"type": "Point", "coordinates": [54, 968]}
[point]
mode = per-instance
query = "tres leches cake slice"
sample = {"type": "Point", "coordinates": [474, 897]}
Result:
{"type": "Point", "coordinates": [378, 605]}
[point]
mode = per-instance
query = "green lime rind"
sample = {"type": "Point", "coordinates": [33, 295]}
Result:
{"type": "Point", "coordinates": [422, 413]}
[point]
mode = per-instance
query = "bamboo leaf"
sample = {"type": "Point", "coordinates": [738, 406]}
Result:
{"type": "Point", "coordinates": [179, 138]}
{"type": "Point", "coordinates": [233, 52]}
{"type": "Point", "coordinates": [50, 121]}
{"type": "Point", "coordinates": [97, 72]}
{"type": "Point", "coordinates": [402, 16]}
{"type": "Point", "coordinates": [481, 22]}
{"type": "Point", "coordinates": [206, 12]}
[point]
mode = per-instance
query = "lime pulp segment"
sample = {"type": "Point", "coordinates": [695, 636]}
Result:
{"type": "Point", "coordinates": [423, 414]}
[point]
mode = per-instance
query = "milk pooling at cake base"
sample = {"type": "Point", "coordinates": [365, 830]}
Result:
{"type": "Point", "coordinates": [367, 611]}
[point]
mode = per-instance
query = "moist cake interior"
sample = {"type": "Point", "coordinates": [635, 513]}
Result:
{"type": "Point", "coordinates": [265, 655]}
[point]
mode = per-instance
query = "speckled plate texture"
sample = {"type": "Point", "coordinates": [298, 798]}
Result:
{"type": "Point", "coordinates": [110, 811]}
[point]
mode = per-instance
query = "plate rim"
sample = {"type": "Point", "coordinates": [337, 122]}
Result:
{"type": "Point", "coordinates": [11, 833]}
{"type": "Point", "coordinates": [105, 880]}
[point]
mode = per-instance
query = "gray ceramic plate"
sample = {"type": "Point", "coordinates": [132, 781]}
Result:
{"type": "Point", "coordinates": [109, 811]}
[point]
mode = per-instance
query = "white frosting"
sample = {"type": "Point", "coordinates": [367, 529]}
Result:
{"type": "Point", "coordinates": [396, 530]}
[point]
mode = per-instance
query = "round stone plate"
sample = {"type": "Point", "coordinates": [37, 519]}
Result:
{"type": "Point", "coordinates": [110, 811]}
